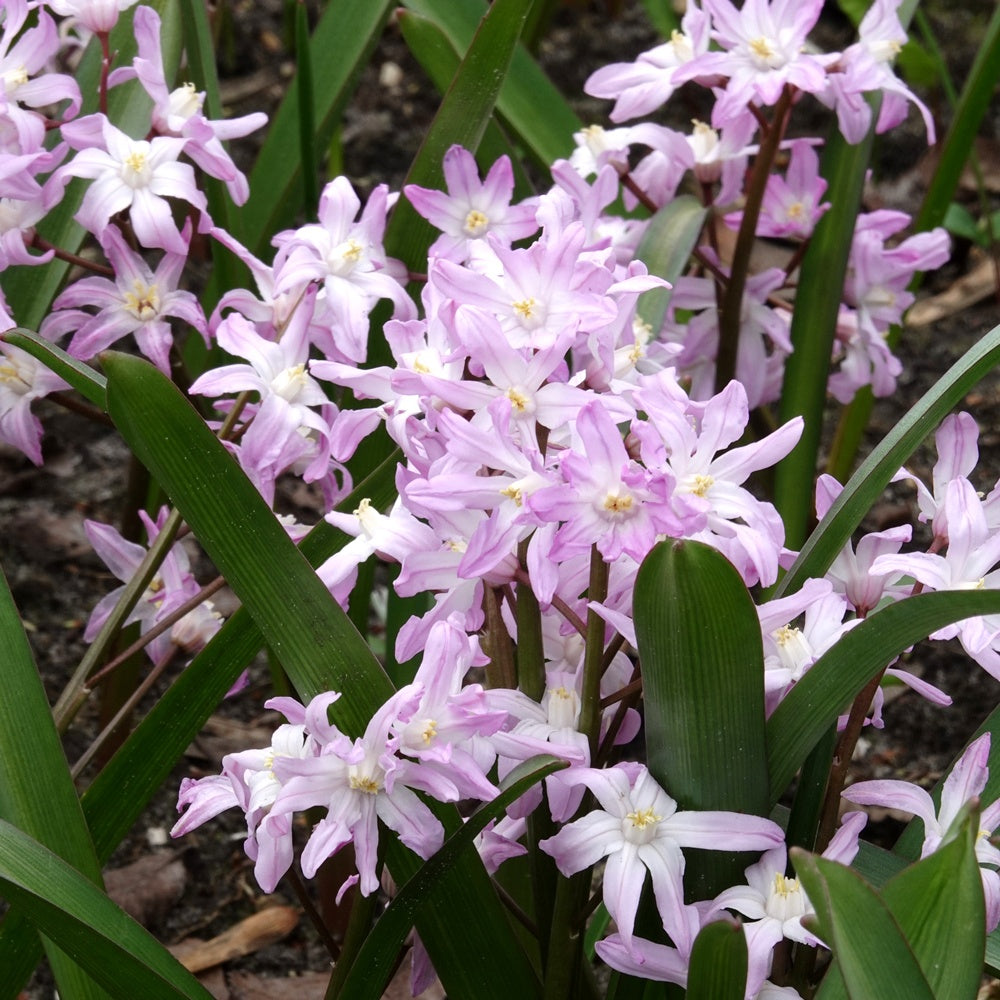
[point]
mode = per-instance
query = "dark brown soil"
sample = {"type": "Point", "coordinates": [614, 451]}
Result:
{"type": "Point", "coordinates": [56, 579]}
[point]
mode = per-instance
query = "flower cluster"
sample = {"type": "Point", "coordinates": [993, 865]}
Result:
{"type": "Point", "coordinates": [559, 411]}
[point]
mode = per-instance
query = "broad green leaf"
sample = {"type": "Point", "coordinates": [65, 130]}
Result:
{"type": "Point", "coordinates": [718, 963]}
{"type": "Point", "coordinates": [36, 790]}
{"type": "Point", "coordinates": [314, 640]}
{"type": "Point", "coordinates": [938, 903]}
{"type": "Point", "coordinates": [703, 685]}
{"type": "Point", "coordinates": [89, 383]}
{"type": "Point", "coordinates": [839, 675]}
{"type": "Point", "coordinates": [461, 118]}
{"type": "Point", "coordinates": [373, 967]}
{"type": "Point", "coordinates": [530, 105]}
{"type": "Point", "coordinates": [30, 290]}
{"type": "Point", "coordinates": [871, 952]}
{"type": "Point", "coordinates": [865, 486]}
{"type": "Point", "coordinates": [342, 43]}
{"type": "Point", "coordinates": [67, 907]}
{"type": "Point", "coordinates": [665, 248]}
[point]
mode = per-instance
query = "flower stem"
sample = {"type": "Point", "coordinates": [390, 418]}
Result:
{"type": "Point", "coordinates": [732, 303]}
{"type": "Point", "coordinates": [593, 660]}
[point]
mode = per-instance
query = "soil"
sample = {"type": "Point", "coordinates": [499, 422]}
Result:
{"type": "Point", "coordinates": [54, 575]}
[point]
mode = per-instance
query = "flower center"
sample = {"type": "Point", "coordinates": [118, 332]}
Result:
{"type": "Point", "coordinates": [786, 900]}
{"type": "Point", "coordinates": [289, 383]}
{"type": "Point", "coordinates": [681, 45]}
{"type": "Point", "coordinates": [514, 493]}
{"type": "Point", "coordinates": [640, 826]}
{"type": "Point", "coordinates": [764, 53]}
{"type": "Point", "coordinates": [520, 402]}
{"type": "Point", "coordinates": [476, 223]}
{"type": "Point", "coordinates": [185, 101]}
{"type": "Point", "coordinates": [135, 170]}
{"type": "Point", "coordinates": [14, 78]}
{"type": "Point", "coordinates": [144, 302]}
{"type": "Point", "coordinates": [618, 504]}
{"type": "Point", "coordinates": [563, 707]}
{"type": "Point", "coordinates": [525, 308]}
{"type": "Point", "coordinates": [14, 377]}
{"type": "Point", "coordinates": [698, 484]}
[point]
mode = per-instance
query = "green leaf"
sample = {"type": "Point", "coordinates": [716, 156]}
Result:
{"type": "Point", "coordinates": [375, 962]}
{"type": "Point", "coordinates": [703, 686]}
{"type": "Point", "coordinates": [865, 486]}
{"type": "Point", "coordinates": [718, 968]}
{"type": "Point", "coordinates": [840, 674]}
{"type": "Point", "coordinates": [666, 248]}
{"type": "Point", "coordinates": [440, 61]}
{"type": "Point", "coordinates": [528, 102]}
{"type": "Point", "coordinates": [126, 959]}
{"type": "Point", "coordinates": [89, 383]}
{"type": "Point", "coordinates": [461, 118]}
{"type": "Point", "coordinates": [313, 638]}
{"type": "Point", "coordinates": [938, 903]}
{"type": "Point", "coordinates": [871, 952]}
{"type": "Point", "coordinates": [36, 790]}
{"type": "Point", "coordinates": [814, 323]}
{"type": "Point", "coordinates": [342, 43]}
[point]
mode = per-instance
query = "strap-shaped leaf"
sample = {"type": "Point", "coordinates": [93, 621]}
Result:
{"type": "Point", "coordinates": [703, 688]}
{"type": "Point", "coordinates": [872, 954]}
{"type": "Point", "coordinates": [865, 486]}
{"type": "Point", "coordinates": [126, 959]}
{"type": "Point", "coordinates": [314, 639]}
{"type": "Point", "coordinates": [433, 49]}
{"type": "Point", "coordinates": [718, 968]}
{"type": "Point", "coordinates": [839, 675]}
{"type": "Point", "coordinates": [529, 103]}
{"type": "Point", "coordinates": [703, 678]}
{"type": "Point", "coordinates": [461, 118]}
{"type": "Point", "coordinates": [938, 902]}
{"type": "Point", "coordinates": [36, 790]}
{"type": "Point", "coordinates": [373, 967]}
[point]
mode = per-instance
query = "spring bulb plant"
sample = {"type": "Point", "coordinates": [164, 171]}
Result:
{"type": "Point", "coordinates": [614, 679]}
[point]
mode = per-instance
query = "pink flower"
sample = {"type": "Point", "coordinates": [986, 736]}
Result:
{"type": "Point", "coordinates": [644, 85]}
{"type": "Point", "coordinates": [178, 112]}
{"type": "Point", "coordinates": [763, 46]}
{"type": "Point", "coordinates": [97, 15]}
{"type": "Point", "coordinates": [138, 301]}
{"type": "Point", "coordinates": [22, 381]}
{"type": "Point", "coordinates": [137, 175]}
{"type": "Point", "coordinates": [639, 830]}
{"type": "Point", "coordinates": [472, 208]}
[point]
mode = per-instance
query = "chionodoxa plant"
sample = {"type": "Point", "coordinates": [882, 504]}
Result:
{"type": "Point", "coordinates": [567, 437]}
